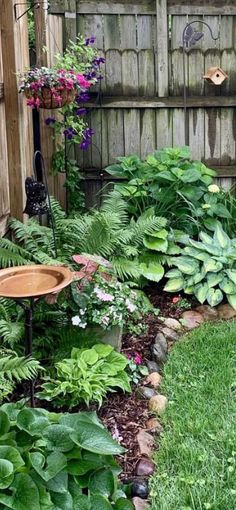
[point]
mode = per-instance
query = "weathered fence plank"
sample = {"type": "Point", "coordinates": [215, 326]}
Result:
{"type": "Point", "coordinates": [162, 47]}
{"type": "Point", "coordinates": [132, 132]}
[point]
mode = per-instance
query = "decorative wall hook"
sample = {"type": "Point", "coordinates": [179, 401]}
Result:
{"type": "Point", "coordinates": [215, 76]}
{"type": "Point", "coordinates": [36, 5]}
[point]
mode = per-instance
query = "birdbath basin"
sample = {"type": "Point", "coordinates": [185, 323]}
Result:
{"type": "Point", "coordinates": [24, 282]}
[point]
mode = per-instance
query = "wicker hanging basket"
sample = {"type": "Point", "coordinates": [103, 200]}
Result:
{"type": "Point", "coordinates": [48, 99]}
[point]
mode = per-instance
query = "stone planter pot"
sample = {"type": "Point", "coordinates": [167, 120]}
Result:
{"type": "Point", "coordinates": [112, 337]}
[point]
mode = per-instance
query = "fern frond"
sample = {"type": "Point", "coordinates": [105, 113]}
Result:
{"type": "Point", "coordinates": [17, 368]}
{"type": "Point", "coordinates": [11, 332]}
{"type": "Point", "coordinates": [125, 268]}
{"type": "Point", "coordinates": [146, 225]}
{"type": "Point", "coordinates": [13, 255]}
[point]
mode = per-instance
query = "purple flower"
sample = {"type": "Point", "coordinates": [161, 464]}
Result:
{"type": "Point", "coordinates": [90, 40]}
{"type": "Point", "coordinates": [88, 133]}
{"type": "Point", "coordinates": [81, 111]}
{"type": "Point", "coordinates": [84, 145]}
{"type": "Point", "coordinates": [98, 61]}
{"type": "Point", "coordinates": [50, 120]}
{"type": "Point", "coordinates": [82, 98]}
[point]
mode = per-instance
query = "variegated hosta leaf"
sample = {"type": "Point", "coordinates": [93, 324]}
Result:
{"type": "Point", "coordinates": [232, 300]}
{"type": "Point", "coordinates": [227, 286]}
{"type": "Point", "coordinates": [173, 273]}
{"type": "Point", "coordinates": [195, 253]}
{"type": "Point", "coordinates": [231, 274]}
{"type": "Point", "coordinates": [214, 279]}
{"type": "Point", "coordinates": [174, 285]}
{"type": "Point", "coordinates": [205, 238]}
{"type": "Point", "coordinates": [212, 265]}
{"type": "Point", "coordinates": [201, 291]}
{"type": "Point", "coordinates": [186, 264]}
{"type": "Point", "coordinates": [213, 250]}
{"type": "Point", "coordinates": [220, 237]}
{"type": "Point", "coordinates": [188, 290]}
{"type": "Point", "coordinates": [214, 297]}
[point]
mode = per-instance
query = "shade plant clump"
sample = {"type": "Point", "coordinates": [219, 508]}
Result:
{"type": "Point", "coordinates": [54, 461]}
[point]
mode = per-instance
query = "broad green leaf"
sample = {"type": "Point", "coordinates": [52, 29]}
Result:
{"type": "Point", "coordinates": [89, 356]}
{"type": "Point", "coordinates": [102, 482]}
{"type": "Point", "coordinates": [173, 273]}
{"type": "Point", "coordinates": [214, 279]}
{"type": "Point", "coordinates": [115, 170]}
{"type": "Point", "coordinates": [72, 420]}
{"type": "Point", "coordinates": [232, 300]}
{"type": "Point", "coordinates": [212, 265]}
{"type": "Point", "coordinates": [186, 264]}
{"type": "Point", "coordinates": [115, 362]}
{"type": "Point", "coordinates": [214, 297]}
{"type": "Point", "coordinates": [200, 292]}
{"type": "Point", "coordinates": [49, 467]}
{"type": "Point", "coordinates": [95, 439]}
{"type": "Point", "coordinates": [197, 278]}
{"type": "Point", "coordinates": [33, 421]}
{"type": "Point", "coordinates": [11, 454]}
{"type": "Point", "coordinates": [98, 502]}
{"type": "Point", "coordinates": [210, 223]}
{"type": "Point", "coordinates": [173, 249]}
{"type": "Point", "coordinates": [62, 501]}
{"type": "Point", "coordinates": [227, 286]}
{"type": "Point", "coordinates": [160, 234]}
{"type": "Point", "coordinates": [188, 290]}
{"type": "Point", "coordinates": [153, 243]}
{"type": "Point", "coordinates": [4, 423]}
{"type": "Point", "coordinates": [213, 250]}
{"type": "Point", "coordinates": [123, 504]}
{"type": "Point", "coordinates": [82, 502]}
{"type": "Point", "coordinates": [25, 494]}
{"type": "Point", "coordinates": [103, 350]}
{"type": "Point", "coordinates": [12, 410]}
{"type": "Point", "coordinates": [191, 175]}
{"type": "Point", "coordinates": [59, 483]}
{"type": "Point", "coordinates": [231, 274]}
{"type": "Point", "coordinates": [196, 253]}
{"type": "Point", "coordinates": [58, 438]}
{"type": "Point", "coordinates": [6, 473]}
{"type": "Point", "coordinates": [174, 285]}
{"type": "Point", "coordinates": [205, 238]}
{"type": "Point", "coordinates": [221, 211]}
{"type": "Point", "coordinates": [192, 193]}
{"type": "Point", "coordinates": [221, 238]}
{"type": "Point", "coordinates": [206, 179]}
{"type": "Point", "coordinates": [152, 271]}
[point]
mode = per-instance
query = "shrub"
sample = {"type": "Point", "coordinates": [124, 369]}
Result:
{"type": "Point", "coordinates": [54, 461]}
{"type": "Point", "coordinates": [86, 376]}
{"type": "Point", "coordinates": [206, 269]}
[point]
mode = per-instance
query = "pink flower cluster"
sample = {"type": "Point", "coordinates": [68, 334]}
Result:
{"type": "Point", "coordinates": [104, 296]}
{"type": "Point", "coordinates": [84, 84]}
{"type": "Point", "coordinates": [136, 358]}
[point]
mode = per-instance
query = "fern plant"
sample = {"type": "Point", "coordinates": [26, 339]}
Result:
{"type": "Point", "coordinates": [14, 369]}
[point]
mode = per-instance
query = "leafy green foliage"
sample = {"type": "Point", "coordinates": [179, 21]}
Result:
{"type": "Point", "coordinates": [14, 369]}
{"type": "Point", "coordinates": [173, 185]}
{"type": "Point", "coordinates": [207, 268]}
{"type": "Point", "coordinates": [53, 461]}
{"type": "Point", "coordinates": [86, 376]}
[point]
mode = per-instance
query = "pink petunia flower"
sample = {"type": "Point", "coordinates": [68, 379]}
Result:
{"type": "Point", "coordinates": [83, 82]}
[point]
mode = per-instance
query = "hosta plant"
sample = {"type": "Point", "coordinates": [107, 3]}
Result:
{"type": "Point", "coordinates": [88, 375]}
{"type": "Point", "coordinates": [206, 268]}
{"type": "Point", "coordinates": [54, 461]}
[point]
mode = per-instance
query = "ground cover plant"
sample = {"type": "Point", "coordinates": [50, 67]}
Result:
{"type": "Point", "coordinates": [197, 459]}
{"type": "Point", "coordinates": [206, 268]}
{"type": "Point", "coordinates": [54, 461]}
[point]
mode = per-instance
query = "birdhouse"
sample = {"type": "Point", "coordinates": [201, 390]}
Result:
{"type": "Point", "coordinates": [215, 76]}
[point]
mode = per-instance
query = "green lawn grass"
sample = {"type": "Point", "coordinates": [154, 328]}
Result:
{"type": "Point", "coordinates": [196, 461]}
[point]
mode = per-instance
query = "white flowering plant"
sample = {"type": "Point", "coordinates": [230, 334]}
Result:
{"type": "Point", "coordinates": [108, 303]}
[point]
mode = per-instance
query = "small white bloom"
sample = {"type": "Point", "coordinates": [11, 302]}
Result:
{"type": "Point", "coordinates": [206, 206]}
{"type": "Point", "coordinates": [213, 188]}
{"type": "Point", "coordinates": [76, 320]}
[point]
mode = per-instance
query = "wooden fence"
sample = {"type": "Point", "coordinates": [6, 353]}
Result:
{"type": "Point", "coordinates": [142, 91]}
{"type": "Point", "coordinates": [16, 146]}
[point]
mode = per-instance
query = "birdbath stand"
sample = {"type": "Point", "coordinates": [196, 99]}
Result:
{"type": "Point", "coordinates": [26, 285]}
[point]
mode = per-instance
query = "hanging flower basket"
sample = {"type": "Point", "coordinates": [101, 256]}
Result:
{"type": "Point", "coordinates": [50, 98]}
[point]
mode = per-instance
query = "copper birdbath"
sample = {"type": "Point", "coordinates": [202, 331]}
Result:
{"type": "Point", "coordinates": [26, 285]}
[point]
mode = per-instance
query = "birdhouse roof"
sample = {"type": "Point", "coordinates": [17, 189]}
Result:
{"type": "Point", "coordinates": [213, 70]}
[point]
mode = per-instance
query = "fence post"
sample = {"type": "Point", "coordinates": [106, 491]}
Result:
{"type": "Point", "coordinates": [162, 48]}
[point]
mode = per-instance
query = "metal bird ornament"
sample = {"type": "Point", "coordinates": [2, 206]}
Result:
{"type": "Point", "coordinates": [36, 194]}
{"type": "Point", "coordinates": [191, 36]}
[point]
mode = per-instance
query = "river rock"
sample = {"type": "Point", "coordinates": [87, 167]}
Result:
{"type": "Point", "coordinates": [208, 313]}
{"type": "Point", "coordinates": [170, 334]}
{"type": "Point", "coordinates": [140, 504]}
{"type": "Point", "coordinates": [145, 442]}
{"type": "Point", "coordinates": [145, 467]}
{"type": "Point", "coordinates": [192, 319]}
{"type": "Point", "coordinates": [161, 341]}
{"type": "Point", "coordinates": [172, 324]}
{"type": "Point", "coordinates": [139, 488]}
{"type": "Point", "coordinates": [154, 379]}
{"type": "Point", "coordinates": [152, 366]}
{"type": "Point", "coordinates": [158, 404]}
{"type": "Point", "coordinates": [158, 353]}
{"type": "Point", "coordinates": [144, 392]}
{"type": "Point", "coordinates": [226, 312]}
{"type": "Point", "coordinates": [153, 425]}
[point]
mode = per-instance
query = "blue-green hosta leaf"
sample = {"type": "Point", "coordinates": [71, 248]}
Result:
{"type": "Point", "coordinates": [12, 410]}
{"type": "Point", "coordinates": [221, 211]}
{"type": "Point", "coordinates": [152, 271]}
{"type": "Point", "coordinates": [11, 454]}
{"type": "Point", "coordinates": [232, 300]}
{"type": "Point", "coordinates": [58, 438]}
{"type": "Point", "coordinates": [95, 439]}
{"type": "Point", "coordinates": [25, 494]}
{"type": "Point", "coordinates": [197, 278]}
{"type": "Point", "coordinates": [72, 420]}
{"type": "Point", "coordinates": [123, 504]}
{"type": "Point", "coordinates": [173, 249]}
{"type": "Point", "coordinates": [231, 273]}
{"type": "Point", "coordinates": [82, 502]}
{"type": "Point", "coordinates": [214, 279]}
{"type": "Point", "coordinates": [189, 289]}
{"type": "Point", "coordinates": [205, 238]}
{"type": "Point", "coordinates": [33, 421]}
{"type": "Point", "coordinates": [59, 483]}
{"type": "Point", "coordinates": [173, 273]}
{"type": "Point", "coordinates": [214, 297]}
{"type": "Point", "coordinates": [186, 265]}
{"type": "Point", "coordinates": [102, 482]}
{"type": "Point", "coordinates": [4, 423]}
{"type": "Point", "coordinates": [196, 253]}
{"type": "Point", "coordinates": [98, 502]}
{"type": "Point", "coordinates": [153, 243]}
{"type": "Point", "coordinates": [62, 501]}
{"type": "Point", "coordinates": [174, 285]}
{"type": "Point", "coordinates": [213, 250]}
{"type": "Point", "coordinates": [201, 291]}
{"type": "Point", "coordinates": [48, 467]}
{"type": "Point", "coordinates": [212, 265]}
{"type": "Point", "coordinates": [220, 237]}
{"type": "Point", "coordinates": [227, 286]}
{"type": "Point", "coordinates": [6, 473]}
{"type": "Point", "coordinates": [210, 223]}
